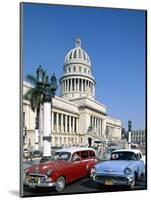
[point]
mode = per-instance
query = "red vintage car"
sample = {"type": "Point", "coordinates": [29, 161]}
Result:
{"type": "Point", "coordinates": [67, 165]}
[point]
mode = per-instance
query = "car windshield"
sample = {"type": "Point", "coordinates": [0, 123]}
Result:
{"type": "Point", "coordinates": [62, 156]}
{"type": "Point", "coordinates": [123, 156]}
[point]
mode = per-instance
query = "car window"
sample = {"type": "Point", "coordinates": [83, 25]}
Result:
{"type": "Point", "coordinates": [62, 156]}
{"type": "Point", "coordinates": [76, 157]}
{"type": "Point", "coordinates": [84, 154]}
{"type": "Point", "coordinates": [91, 154]}
{"type": "Point", "coordinates": [123, 156]}
{"type": "Point", "coordinates": [139, 156]}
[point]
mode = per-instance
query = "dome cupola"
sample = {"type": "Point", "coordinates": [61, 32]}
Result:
{"type": "Point", "coordinates": [77, 54]}
{"type": "Point", "coordinates": [77, 80]}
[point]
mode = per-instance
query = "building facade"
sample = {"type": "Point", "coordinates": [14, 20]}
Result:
{"type": "Point", "coordinates": [76, 118]}
{"type": "Point", "coordinates": [139, 137]}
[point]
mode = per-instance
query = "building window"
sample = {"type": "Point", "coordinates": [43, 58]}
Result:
{"type": "Point", "coordinates": [85, 70]}
{"type": "Point", "coordinates": [74, 69]}
{"type": "Point", "coordinates": [79, 69]}
{"type": "Point", "coordinates": [69, 69]}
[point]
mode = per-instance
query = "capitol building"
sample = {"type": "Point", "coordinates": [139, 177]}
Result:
{"type": "Point", "coordinates": [77, 118]}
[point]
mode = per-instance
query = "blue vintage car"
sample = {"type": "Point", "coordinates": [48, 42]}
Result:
{"type": "Point", "coordinates": [125, 167]}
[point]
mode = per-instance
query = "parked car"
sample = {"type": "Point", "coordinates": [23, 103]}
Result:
{"type": "Point", "coordinates": [67, 165]}
{"type": "Point", "coordinates": [26, 154]}
{"type": "Point", "coordinates": [125, 167]}
{"type": "Point", "coordinates": [36, 154]}
{"type": "Point", "coordinates": [107, 155]}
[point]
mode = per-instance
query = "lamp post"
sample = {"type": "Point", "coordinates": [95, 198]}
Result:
{"type": "Point", "coordinates": [129, 133]}
{"type": "Point", "coordinates": [49, 92]}
{"type": "Point", "coordinates": [25, 137]}
{"type": "Point", "coordinates": [40, 80]}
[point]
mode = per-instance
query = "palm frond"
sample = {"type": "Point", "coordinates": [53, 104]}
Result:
{"type": "Point", "coordinates": [31, 79]}
{"type": "Point", "coordinates": [36, 99]}
{"type": "Point", "coordinates": [28, 94]}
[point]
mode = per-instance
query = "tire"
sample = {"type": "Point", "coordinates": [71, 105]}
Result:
{"type": "Point", "coordinates": [60, 184]}
{"type": "Point", "coordinates": [134, 182]}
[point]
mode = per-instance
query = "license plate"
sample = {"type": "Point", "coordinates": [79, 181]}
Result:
{"type": "Point", "coordinates": [108, 182]}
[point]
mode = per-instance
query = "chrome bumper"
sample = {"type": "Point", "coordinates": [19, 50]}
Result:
{"type": "Point", "coordinates": [38, 180]}
{"type": "Point", "coordinates": [112, 180]}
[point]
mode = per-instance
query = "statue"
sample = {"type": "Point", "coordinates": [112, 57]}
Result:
{"type": "Point", "coordinates": [129, 125]}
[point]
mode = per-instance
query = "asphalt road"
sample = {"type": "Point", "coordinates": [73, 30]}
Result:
{"type": "Point", "coordinates": [85, 185]}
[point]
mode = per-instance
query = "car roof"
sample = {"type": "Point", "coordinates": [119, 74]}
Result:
{"type": "Point", "coordinates": [74, 149]}
{"type": "Point", "coordinates": [127, 150]}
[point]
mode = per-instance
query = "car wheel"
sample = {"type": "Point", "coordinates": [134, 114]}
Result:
{"type": "Point", "coordinates": [60, 184]}
{"type": "Point", "coordinates": [134, 181]}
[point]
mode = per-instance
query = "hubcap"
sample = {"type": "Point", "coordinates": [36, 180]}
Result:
{"type": "Point", "coordinates": [60, 184]}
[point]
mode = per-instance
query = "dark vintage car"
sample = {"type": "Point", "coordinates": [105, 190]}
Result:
{"type": "Point", "coordinates": [67, 165]}
{"type": "Point", "coordinates": [125, 167]}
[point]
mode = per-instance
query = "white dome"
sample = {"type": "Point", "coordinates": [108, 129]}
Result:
{"type": "Point", "coordinates": [77, 54]}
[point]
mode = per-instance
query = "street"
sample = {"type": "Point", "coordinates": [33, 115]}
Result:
{"type": "Point", "coordinates": [85, 185]}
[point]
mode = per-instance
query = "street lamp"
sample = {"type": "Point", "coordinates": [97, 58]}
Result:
{"type": "Point", "coordinates": [40, 75]}
{"type": "Point", "coordinates": [25, 138]}
{"type": "Point", "coordinates": [49, 90]}
{"type": "Point", "coordinates": [129, 133]}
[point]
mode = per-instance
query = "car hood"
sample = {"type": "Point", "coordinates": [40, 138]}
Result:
{"type": "Point", "coordinates": [112, 166]}
{"type": "Point", "coordinates": [53, 165]}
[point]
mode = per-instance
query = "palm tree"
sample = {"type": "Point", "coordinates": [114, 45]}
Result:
{"type": "Point", "coordinates": [35, 96]}
{"type": "Point", "coordinates": [42, 93]}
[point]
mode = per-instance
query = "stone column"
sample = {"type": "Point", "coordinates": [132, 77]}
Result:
{"type": "Point", "coordinates": [103, 127]}
{"type": "Point", "coordinates": [77, 125]}
{"type": "Point", "coordinates": [75, 89]}
{"type": "Point", "coordinates": [73, 124]}
{"type": "Point", "coordinates": [57, 122]}
{"type": "Point", "coordinates": [83, 82]}
{"type": "Point", "coordinates": [93, 90]}
{"type": "Point", "coordinates": [62, 123]}
{"type": "Point", "coordinates": [70, 124]}
{"type": "Point", "coordinates": [70, 84]}
{"type": "Point", "coordinates": [52, 121]}
{"type": "Point", "coordinates": [96, 126]}
{"type": "Point", "coordinates": [65, 85]}
{"type": "Point", "coordinates": [78, 84]}
{"type": "Point", "coordinates": [66, 123]}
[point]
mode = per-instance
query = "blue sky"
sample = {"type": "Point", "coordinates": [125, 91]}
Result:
{"type": "Point", "coordinates": [114, 40]}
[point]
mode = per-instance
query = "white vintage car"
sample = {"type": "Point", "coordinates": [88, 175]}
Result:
{"type": "Point", "coordinates": [125, 167]}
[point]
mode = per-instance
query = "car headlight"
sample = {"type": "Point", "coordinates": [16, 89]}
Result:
{"type": "Point", "coordinates": [127, 171]}
{"type": "Point", "coordinates": [92, 171]}
{"type": "Point", "coordinates": [26, 171]}
{"type": "Point", "coordinates": [49, 172]}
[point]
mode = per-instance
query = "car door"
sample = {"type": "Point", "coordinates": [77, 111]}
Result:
{"type": "Point", "coordinates": [85, 163]}
{"type": "Point", "coordinates": [75, 168]}
{"type": "Point", "coordinates": [92, 160]}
